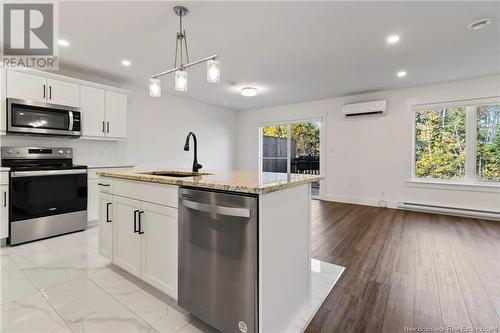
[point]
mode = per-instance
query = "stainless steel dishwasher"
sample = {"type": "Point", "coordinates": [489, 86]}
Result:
{"type": "Point", "coordinates": [218, 275]}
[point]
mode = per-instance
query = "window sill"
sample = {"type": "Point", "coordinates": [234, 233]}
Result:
{"type": "Point", "coordinates": [454, 185]}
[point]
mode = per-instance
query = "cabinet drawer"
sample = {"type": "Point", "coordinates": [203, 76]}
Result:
{"type": "Point", "coordinates": [156, 193]}
{"type": "Point", "coordinates": [105, 185]}
{"type": "Point", "coordinates": [4, 178]}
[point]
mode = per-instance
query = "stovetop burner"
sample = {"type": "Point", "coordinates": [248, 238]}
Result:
{"type": "Point", "coordinates": [36, 158]}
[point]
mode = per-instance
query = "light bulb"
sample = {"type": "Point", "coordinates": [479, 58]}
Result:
{"type": "Point", "coordinates": [154, 87]}
{"type": "Point", "coordinates": [213, 71]}
{"type": "Point", "coordinates": [181, 80]}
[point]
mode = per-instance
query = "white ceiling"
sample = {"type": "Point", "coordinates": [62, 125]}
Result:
{"type": "Point", "coordinates": [290, 51]}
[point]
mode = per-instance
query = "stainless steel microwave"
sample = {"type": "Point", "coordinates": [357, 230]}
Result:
{"type": "Point", "coordinates": [35, 118]}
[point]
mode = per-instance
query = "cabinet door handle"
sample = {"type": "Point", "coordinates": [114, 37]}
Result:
{"type": "Point", "coordinates": [140, 222]}
{"type": "Point", "coordinates": [107, 126]}
{"type": "Point", "coordinates": [135, 220]}
{"type": "Point", "coordinates": [50, 92]}
{"type": "Point", "coordinates": [103, 126]}
{"type": "Point", "coordinates": [107, 212]}
{"type": "Point", "coordinates": [44, 88]}
{"type": "Point", "coordinates": [101, 184]}
{"type": "Point", "coordinates": [5, 199]}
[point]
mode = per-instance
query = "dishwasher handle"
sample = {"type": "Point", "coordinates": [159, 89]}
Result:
{"type": "Point", "coordinates": [221, 210]}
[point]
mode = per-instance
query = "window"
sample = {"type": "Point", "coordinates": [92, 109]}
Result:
{"type": "Point", "coordinates": [292, 148]}
{"type": "Point", "coordinates": [458, 142]}
{"type": "Point", "coordinates": [440, 143]}
{"type": "Point", "coordinates": [488, 143]}
{"type": "Point", "coordinates": [275, 148]}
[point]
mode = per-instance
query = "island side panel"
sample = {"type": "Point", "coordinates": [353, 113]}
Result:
{"type": "Point", "coordinates": [284, 256]}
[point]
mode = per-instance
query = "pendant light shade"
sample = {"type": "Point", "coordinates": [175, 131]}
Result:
{"type": "Point", "coordinates": [213, 71]}
{"type": "Point", "coordinates": [182, 62]}
{"type": "Point", "coordinates": [154, 87]}
{"type": "Point", "coordinates": [181, 80]}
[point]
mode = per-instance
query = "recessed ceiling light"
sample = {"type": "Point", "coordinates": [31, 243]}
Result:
{"type": "Point", "coordinates": [479, 24]}
{"type": "Point", "coordinates": [393, 39]}
{"type": "Point", "coordinates": [401, 74]}
{"type": "Point", "coordinates": [63, 42]}
{"type": "Point", "coordinates": [126, 62]}
{"type": "Point", "coordinates": [248, 91]}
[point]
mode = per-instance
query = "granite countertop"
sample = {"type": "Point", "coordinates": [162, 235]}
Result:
{"type": "Point", "coordinates": [109, 165]}
{"type": "Point", "coordinates": [235, 181]}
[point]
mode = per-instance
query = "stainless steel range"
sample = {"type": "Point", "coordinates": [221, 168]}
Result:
{"type": "Point", "coordinates": [47, 193]}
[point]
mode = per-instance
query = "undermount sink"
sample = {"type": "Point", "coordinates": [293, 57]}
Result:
{"type": "Point", "coordinates": [177, 174]}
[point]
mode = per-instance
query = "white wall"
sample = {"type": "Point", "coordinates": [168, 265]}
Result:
{"type": "Point", "coordinates": [157, 130]}
{"type": "Point", "coordinates": [369, 159]}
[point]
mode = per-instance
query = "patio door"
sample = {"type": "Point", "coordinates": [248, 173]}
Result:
{"type": "Point", "coordinates": [291, 148]}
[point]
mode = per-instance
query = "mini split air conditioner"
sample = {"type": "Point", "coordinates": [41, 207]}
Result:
{"type": "Point", "coordinates": [364, 109]}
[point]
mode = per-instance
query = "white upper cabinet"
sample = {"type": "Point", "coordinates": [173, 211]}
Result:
{"type": "Point", "coordinates": [104, 109]}
{"type": "Point", "coordinates": [116, 114]}
{"type": "Point", "coordinates": [93, 108]}
{"type": "Point", "coordinates": [40, 89]}
{"type": "Point", "coordinates": [26, 86]}
{"type": "Point", "coordinates": [62, 92]}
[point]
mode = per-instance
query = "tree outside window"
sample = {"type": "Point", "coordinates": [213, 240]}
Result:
{"type": "Point", "coordinates": [488, 143]}
{"type": "Point", "coordinates": [459, 142]}
{"type": "Point", "coordinates": [440, 143]}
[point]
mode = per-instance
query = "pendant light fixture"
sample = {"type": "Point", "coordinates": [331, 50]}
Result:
{"type": "Point", "coordinates": [181, 51]}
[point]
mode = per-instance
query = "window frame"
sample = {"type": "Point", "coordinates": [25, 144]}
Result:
{"type": "Point", "coordinates": [322, 139]}
{"type": "Point", "coordinates": [470, 176]}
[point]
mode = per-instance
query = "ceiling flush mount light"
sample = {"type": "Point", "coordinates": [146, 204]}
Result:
{"type": "Point", "coordinates": [249, 91]}
{"type": "Point", "coordinates": [181, 50]}
{"type": "Point", "coordinates": [126, 62]}
{"type": "Point", "coordinates": [479, 24]}
{"type": "Point", "coordinates": [63, 42]}
{"type": "Point", "coordinates": [402, 74]}
{"type": "Point", "coordinates": [393, 39]}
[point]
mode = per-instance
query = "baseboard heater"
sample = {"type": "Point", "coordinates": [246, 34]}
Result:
{"type": "Point", "coordinates": [492, 215]}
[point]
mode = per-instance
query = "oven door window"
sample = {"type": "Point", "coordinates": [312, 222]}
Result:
{"type": "Point", "coordinates": [38, 196]}
{"type": "Point", "coordinates": [36, 117]}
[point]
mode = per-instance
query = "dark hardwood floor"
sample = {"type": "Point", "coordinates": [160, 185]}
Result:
{"type": "Point", "coordinates": [406, 269]}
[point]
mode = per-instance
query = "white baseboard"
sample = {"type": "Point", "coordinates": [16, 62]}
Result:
{"type": "Point", "coordinates": [397, 205]}
{"type": "Point", "coordinates": [92, 223]}
{"type": "Point", "coordinates": [360, 201]}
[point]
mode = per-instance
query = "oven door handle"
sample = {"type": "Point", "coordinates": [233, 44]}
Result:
{"type": "Point", "coordinates": [16, 174]}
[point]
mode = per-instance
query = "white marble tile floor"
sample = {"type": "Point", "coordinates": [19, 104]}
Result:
{"type": "Point", "coordinates": [63, 285]}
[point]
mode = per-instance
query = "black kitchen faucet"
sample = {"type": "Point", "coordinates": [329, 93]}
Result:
{"type": "Point", "coordinates": [196, 165]}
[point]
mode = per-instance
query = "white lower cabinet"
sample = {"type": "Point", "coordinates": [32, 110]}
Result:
{"type": "Point", "coordinates": [159, 247]}
{"type": "Point", "coordinates": [106, 225]}
{"type": "Point", "coordinates": [141, 236]}
{"type": "Point", "coordinates": [4, 211]}
{"type": "Point", "coordinates": [127, 240]}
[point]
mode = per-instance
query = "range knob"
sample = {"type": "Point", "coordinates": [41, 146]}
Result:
{"type": "Point", "coordinates": [18, 151]}
{"type": "Point", "coordinates": [10, 151]}
{"type": "Point", "coordinates": [68, 151]}
{"type": "Point", "coordinates": [60, 151]}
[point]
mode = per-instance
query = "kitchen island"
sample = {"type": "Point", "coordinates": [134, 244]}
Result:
{"type": "Point", "coordinates": [141, 218]}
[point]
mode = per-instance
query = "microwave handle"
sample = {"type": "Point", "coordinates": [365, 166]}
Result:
{"type": "Point", "coordinates": [70, 120]}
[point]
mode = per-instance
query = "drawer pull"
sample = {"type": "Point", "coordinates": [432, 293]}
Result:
{"type": "Point", "coordinates": [101, 184]}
